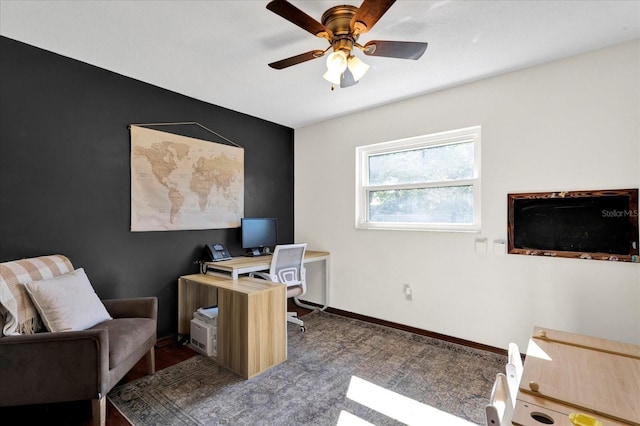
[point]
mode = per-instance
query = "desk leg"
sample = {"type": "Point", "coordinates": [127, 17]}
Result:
{"type": "Point", "coordinates": [252, 330]}
{"type": "Point", "coordinates": [326, 291]}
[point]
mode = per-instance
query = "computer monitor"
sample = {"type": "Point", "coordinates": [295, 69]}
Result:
{"type": "Point", "coordinates": [259, 234]}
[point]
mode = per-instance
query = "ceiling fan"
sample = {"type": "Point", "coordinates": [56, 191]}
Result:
{"type": "Point", "coordinates": [341, 26]}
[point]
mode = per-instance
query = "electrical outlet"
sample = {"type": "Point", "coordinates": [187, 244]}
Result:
{"type": "Point", "coordinates": [408, 293]}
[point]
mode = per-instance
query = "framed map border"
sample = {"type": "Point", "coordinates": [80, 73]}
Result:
{"type": "Point", "coordinates": [184, 183]}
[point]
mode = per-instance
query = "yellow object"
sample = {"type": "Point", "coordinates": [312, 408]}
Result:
{"type": "Point", "coordinates": [584, 420]}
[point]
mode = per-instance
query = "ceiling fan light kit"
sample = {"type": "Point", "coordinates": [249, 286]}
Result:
{"type": "Point", "coordinates": [337, 61]}
{"type": "Point", "coordinates": [357, 67]}
{"type": "Point", "coordinates": [341, 26]}
{"type": "Point", "coordinates": [336, 64]}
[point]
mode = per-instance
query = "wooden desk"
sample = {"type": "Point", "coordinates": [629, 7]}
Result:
{"type": "Point", "coordinates": [579, 374]}
{"type": "Point", "coordinates": [245, 264]}
{"type": "Point", "coordinates": [252, 330]}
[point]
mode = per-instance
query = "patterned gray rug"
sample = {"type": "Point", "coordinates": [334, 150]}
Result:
{"type": "Point", "coordinates": [311, 387]}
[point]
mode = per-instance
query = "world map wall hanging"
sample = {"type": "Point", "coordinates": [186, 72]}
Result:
{"type": "Point", "coordinates": [181, 183]}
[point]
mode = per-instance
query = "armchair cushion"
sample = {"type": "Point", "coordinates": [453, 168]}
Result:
{"type": "Point", "coordinates": [125, 336]}
{"type": "Point", "coordinates": [134, 322]}
{"type": "Point", "coordinates": [19, 315]}
{"type": "Point", "coordinates": [67, 302]}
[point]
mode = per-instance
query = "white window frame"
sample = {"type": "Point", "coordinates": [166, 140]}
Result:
{"type": "Point", "coordinates": [468, 134]}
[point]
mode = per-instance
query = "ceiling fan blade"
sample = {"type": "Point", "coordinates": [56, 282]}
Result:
{"type": "Point", "coordinates": [298, 17]}
{"type": "Point", "coordinates": [369, 12]}
{"type": "Point", "coordinates": [395, 49]}
{"type": "Point", "coordinates": [347, 79]}
{"type": "Point", "coordinates": [294, 60]}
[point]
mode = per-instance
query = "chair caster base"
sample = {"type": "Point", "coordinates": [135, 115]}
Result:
{"type": "Point", "coordinates": [303, 328]}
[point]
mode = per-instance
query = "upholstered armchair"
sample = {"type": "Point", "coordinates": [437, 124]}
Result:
{"type": "Point", "coordinates": [82, 362]}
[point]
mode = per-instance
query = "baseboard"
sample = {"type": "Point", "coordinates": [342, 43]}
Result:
{"type": "Point", "coordinates": [432, 334]}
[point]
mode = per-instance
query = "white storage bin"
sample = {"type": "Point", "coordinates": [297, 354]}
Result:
{"type": "Point", "coordinates": [203, 338]}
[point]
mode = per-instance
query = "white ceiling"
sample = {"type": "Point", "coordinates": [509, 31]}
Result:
{"type": "Point", "coordinates": [218, 51]}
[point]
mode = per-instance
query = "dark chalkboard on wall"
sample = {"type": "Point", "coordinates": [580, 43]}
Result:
{"type": "Point", "coordinates": [599, 224]}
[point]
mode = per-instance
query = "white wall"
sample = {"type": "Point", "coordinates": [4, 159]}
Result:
{"type": "Point", "coordinates": [567, 125]}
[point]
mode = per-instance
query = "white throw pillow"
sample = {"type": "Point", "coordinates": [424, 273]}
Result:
{"type": "Point", "coordinates": [67, 302]}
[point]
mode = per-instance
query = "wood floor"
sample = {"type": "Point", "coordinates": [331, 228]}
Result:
{"type": "Point", "coordinates": [78, 413]}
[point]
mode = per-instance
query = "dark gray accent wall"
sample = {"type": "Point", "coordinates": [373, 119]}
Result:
{"type": "Point", "coordinates": [65, 175]}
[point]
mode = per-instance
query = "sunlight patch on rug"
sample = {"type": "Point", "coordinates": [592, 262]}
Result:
{"type": "Point", "coordinates": [406, 410]}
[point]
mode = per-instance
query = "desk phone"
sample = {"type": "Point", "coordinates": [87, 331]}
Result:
{"type": "Point", "coordinates": [216, 252]}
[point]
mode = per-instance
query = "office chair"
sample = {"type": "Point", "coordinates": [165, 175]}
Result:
{"type": "Point", "coordinates": [287, 268]}
{"type": "Point", "coordinates": [514, 369]}
{"type": "Point", "coordinates": [500, 408]}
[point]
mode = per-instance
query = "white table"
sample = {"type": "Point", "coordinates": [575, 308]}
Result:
{"type": "Point", "coordinates": [244, 265]}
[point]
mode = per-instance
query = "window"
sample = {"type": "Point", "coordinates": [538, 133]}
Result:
{"type": "Point", "coordinates": [429, 182]}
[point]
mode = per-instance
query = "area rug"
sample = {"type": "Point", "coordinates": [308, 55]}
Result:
{"type": "Point", "coordinates": [311, 387]}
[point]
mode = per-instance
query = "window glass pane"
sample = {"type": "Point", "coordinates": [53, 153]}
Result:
{"type": "Point", "coordinates": [452, 204]}
{"type": "Point", "coordinates": [432, 164]}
